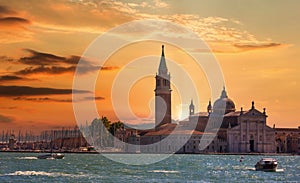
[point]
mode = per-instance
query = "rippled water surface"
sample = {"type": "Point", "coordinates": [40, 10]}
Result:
{"type": "Point", "coordinates": [23, 167]}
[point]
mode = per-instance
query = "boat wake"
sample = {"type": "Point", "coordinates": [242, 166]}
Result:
{"type": "Point", "coordinates": [42, 173]}
{"type": "Point", "coordinates": [279, 170]}
{"type": "Point", "coordinates": [29, 157]}
{"type": "Point", "coordinates": [164, 171]}
{"type": "Point", "coordinates": [253, 169]}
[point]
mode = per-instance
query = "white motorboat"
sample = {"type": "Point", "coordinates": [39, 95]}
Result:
{"type": "Point", "coordinates": [266, 164]}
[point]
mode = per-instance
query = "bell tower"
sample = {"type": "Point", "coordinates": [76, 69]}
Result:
{"type": "Point", "coordinates": [162, 93]}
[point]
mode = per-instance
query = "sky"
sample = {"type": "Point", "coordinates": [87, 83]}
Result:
{"type": "Point", "coordinates": [256, 44]}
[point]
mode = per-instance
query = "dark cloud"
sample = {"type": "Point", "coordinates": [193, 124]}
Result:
{"type": "Point", "coordinates": [47, 63]}
{"type": "Point", "coordinates": [14, 91]}
{"type": "Point", "coordinates": [42, 99]}
{"type": "Point", "coordinates": [40, 58]}
{"type": "Point", "coordinates": [85, 68]}
{"type": "Point", "coordinates": [81, 69]}
{"type": "Point", "coordinates": [46, 70]}
{"type": "Point", "coordinates": [239, 48]}
{"type": "Point", "coordinates": [256, 46]}
{"type": "Point", "coordinates": [108, 68]}
{"type": "Point", "coordinates": [48, 99]}
{"type": "Point", "coordinates": [11, 78]}
{"type": "Point", "coordinates": [7, 18]}
{"type": "Point", "coordinates": [6, 119]}
{"type": "Point", "coordinates": [13, 21]}
{"type": "Point", "coordinates": [93, 98]}
{"type": "Point", "coordinates": [6, 59]}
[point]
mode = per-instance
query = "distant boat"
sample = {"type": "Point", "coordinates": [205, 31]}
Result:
{"type": "Point", "coordinates": [266, 164]}
{"type": "Point", "coordinates": [51, 156]}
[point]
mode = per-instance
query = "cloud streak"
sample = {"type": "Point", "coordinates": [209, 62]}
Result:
{"type": "Point", "coordinates": [53, 70]}
{"type": "Point", "coordinates": [48, 99]}
{"type": "Point", "coordinates": [47, 63]}
{"type": "Point", "coordinates": [11, 78]}
{"type": "Point", "coordinates": [14, 91]}
{"type": "Point", "coordinates": [11, 21]}
{"type": "Point", "coordinates": [12, 27]}
{"type": "Point", "coordinates": [40, 58]}
{"type": "Point", "coordinates": [45, 70]}
{"type": "Point", "coordinates": [257, 46]}
{"type": "Point", "coordinates": [240, 48]}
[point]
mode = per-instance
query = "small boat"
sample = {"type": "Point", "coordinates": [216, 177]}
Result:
{"type": "Point", "coordinates": [51, 156]}
{"type": "Point", "coordinates": [266, 164]}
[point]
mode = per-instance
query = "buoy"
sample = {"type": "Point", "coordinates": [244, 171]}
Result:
{"type": "Point", "coordinates": [241, 159]}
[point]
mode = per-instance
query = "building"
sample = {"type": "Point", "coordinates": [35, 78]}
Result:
{"type": "Point", "coordinates": [251, 134]}
{"type": "Point", "coordinates": [287, 140]}
{"type": "Point", "coordinates": [226, 129]}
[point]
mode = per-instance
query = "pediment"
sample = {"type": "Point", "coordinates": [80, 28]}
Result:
{"type": "Point", "coordinates": [254, 112]}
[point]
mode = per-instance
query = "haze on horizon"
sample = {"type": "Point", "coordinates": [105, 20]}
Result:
{"type": "Point", "coordinates": [256, 44]}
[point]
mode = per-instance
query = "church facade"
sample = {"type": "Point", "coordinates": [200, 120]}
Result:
{"type": "Point", "coordinates": [251, 134]}
{"type": "Point", "coordinates": [244, 131]}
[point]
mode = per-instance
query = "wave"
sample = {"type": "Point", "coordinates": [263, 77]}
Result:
{"type": "Point", "coordinates": [30, 157]}
{"type": "Point", "coordinates": [42, 173]}
{"type": "Point", "coordinates": [164, 171]}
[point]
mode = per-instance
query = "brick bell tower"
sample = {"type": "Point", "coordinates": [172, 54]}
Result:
{"type": "Point", "coordinates": [162, 93]}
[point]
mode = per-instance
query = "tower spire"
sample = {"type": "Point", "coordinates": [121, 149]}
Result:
{"type": "Point", "coordinates": [192, 108]}
{"type": "Point", "coordinates": [162, 65]}
{"type": "Point", "coordinates": [162, 93]}
{"type": "Point", "coordinates": [209, 107]}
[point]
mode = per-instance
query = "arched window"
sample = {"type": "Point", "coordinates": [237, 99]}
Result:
{"type": "Point", "coordinates": [165, 82]}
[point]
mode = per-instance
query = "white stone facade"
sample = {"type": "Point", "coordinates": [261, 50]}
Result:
{"type": "Point", "coordinates": [251, 134]}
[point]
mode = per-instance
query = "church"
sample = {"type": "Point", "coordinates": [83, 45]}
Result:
{"type": "Point", "coordinates": [243, 131]}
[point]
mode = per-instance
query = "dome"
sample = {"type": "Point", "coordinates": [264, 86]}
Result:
{"type": "Point", "coordinates": [224, 103]}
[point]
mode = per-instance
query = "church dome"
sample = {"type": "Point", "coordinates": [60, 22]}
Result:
{"type": "Point", "coordinates": [224, 103]}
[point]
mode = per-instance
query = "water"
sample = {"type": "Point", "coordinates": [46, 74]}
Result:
{"type": "Point", "coordinates": [25, 167]}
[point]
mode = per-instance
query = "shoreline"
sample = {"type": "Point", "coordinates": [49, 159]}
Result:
{"type": "Point", "coordinates": [95, 152]}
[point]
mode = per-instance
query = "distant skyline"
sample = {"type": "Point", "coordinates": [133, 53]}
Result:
{"type": "Point", "coordinates": [256, 43]}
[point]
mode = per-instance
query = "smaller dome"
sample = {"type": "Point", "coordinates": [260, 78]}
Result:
{"type": "Point", "coordinates": [224, 103]}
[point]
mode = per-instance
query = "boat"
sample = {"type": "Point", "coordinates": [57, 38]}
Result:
{"type": "Point", "coordinates": [266, 164]}
{"type": "Point", "coordinates": [51, 156]}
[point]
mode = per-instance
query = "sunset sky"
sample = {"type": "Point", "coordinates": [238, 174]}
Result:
{"type": "Point", "coordinates": [256, 43]}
